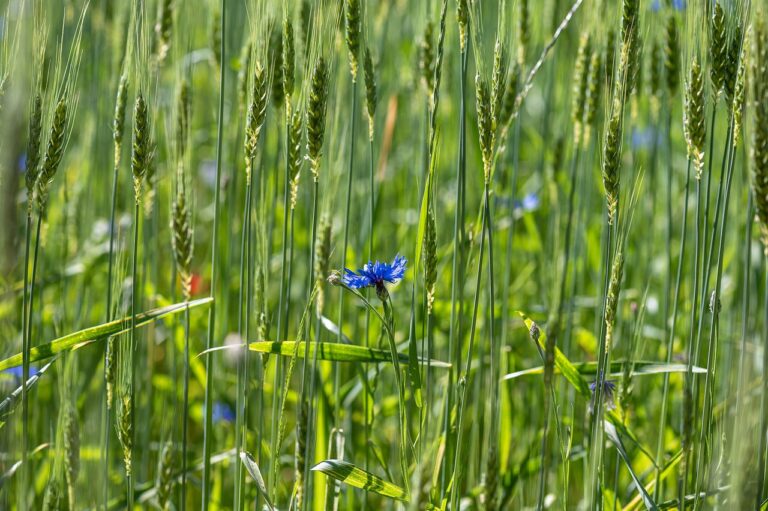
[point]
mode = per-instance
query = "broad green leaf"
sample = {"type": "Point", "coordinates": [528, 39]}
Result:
{"type": "Point", "coordinates": [359, 478]}
{"type": "Point", "coordinates": [76, 340]}
{"type": "Point", "coordinates": [613, 435]}
{"type": "Point", "coordinates": [639, 368]}
{"type": "Point", "coordinates": [333, 351]}
{"type": "Point", "coordinates": [253, 469]}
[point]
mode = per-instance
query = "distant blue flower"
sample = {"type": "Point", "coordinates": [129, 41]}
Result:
{"type": "Point", "coordinates": [678, 5]}
{"type": "Point", "coordinates": [608, 388]}
{"type": "Point", "coordinates": [18, 372]}
{"type": "Point", "coordinates": [222, 412]}
{"type": "Point", "coordinates": [642, 139]}
{"type": "Point", "coordinates": [375, 274]}
{"type": "Point", "coordinates": [530, 202]}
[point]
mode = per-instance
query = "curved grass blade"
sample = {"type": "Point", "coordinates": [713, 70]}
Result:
{"type": "Point", "coordinates": [359, 478]}
{"type": "Point", "coordinates": [334, 352]}
{"type": "Point", "coordinates": [253, 469]}
{"type": "Point", "coordinates": [640, 368]}
{"type": "Point", "coordinates": [613, 435]}
{"type": "Point", "coordinates": [87, 336]}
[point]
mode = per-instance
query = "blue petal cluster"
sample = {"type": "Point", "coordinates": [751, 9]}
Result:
{"type": "Point", "coordinates": [375, 274]}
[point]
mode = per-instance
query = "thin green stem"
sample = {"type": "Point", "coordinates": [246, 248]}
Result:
{"type": "Point", "coordinates": [132, 345]}
{"type": "Point", "coordinates": [25, 350]}
{"type": "Point", "coordinates": [207, 430]}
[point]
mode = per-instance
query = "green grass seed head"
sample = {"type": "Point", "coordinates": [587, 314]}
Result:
{"type": "Point", "coordinates": [163, 29]}
{"type": "Point", "coordinates": [71, 436]}
{"type": "Point", "coordinates": [295, 158]}
{"type": "Point", "coordinates": [694, 123]}
{"type": "Point", "coordinates": [34, 140]}
{"type": "Point", "coordinates": [672, 56]}
{"type": "Point", "coordinates": [594, 91]}
{"type": "Point", "coordinates": [164, 481]}
{"type": "Point", "coordinates": [759, 61]}
{"type": "Point", "coordinates": [352, 34]}
{"type": "Point", "coordinates": [523, 31]}
{"type": "Point", "coordinates": [370, 90]}
{"type": "Point", "coordinates": [739, 97]}
{"type": "Point", "coordinates": [735, 53]}
{"type": "Point", "coordinates": [462, 19]}
{"type": "Point", "coordinates": [183, 112]}
{"type": "Point", "coordinates": [580, 84]}
{"type": "Point", "coordinates": [427, 58]}
{"type": "Point", "coordinates": [53, 153]}
{"type": "Point", "coordinates": [430, 258]}
{"type": "Point", "coordinates": [498, 83]}
{"type": "Point", "coordinates": [612, 163]}
{"type": "Point", "coordinates": [288, 60]}
{"type": "Point", "coordinates": [718, 48]}
{"type": "Point", "coordinates": [612, 298]}
{"type": "Point", "coordinates": [257, 113]}
{"type": "Point", "coordinates": [182, 236]}
{"type": "Point", "coordinates": [484, 124]}
{"type": "Point", "coordinates": [141, 157]}
{"type": "Point", "coordinates": [275, 54]}
{"type": "Point", "coordinates": [316, 112]}
{"type": "Point", "coordinates": [510, 95]}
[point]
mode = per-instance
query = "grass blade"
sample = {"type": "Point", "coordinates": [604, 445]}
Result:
{"type": "Point", "coordinates": [359, 478]}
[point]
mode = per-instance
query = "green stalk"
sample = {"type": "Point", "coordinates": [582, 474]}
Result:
{"type": "Point", "coordinates": [494, 349]}
{"type": "Point", "coordinates": [347, 203]}
{"type": "Point", "coordinates": [455, 332]}
{"type": "Point", "coordinates": [25, 365]}
{"type": "Point", "coordinates": [706, 416]}
{"type": "Point", "coordinates": [244, 284]}
{"type": "Point", "coordinates": [207, 430]}
{"type": "Point", "coordinates": [549, 359]}
{"type": "Point", "coordinates": [110, 270]}
{"type": "Point", "coordinates": [463, 381]}
{"type": "Point", "coordinates": [307, 396]}
{"type": "Point", "coordinates": [764, 401]}
{"type": "Point", "coordinates": [745, 301]}
{"type": "Point", "coordinates": [366, 426]}
{"type": "Point", "coordinates": [185, 418]}
{"type": "Point", "coordinates": [132, 345]}
{"type": "Point", "coordinates": [675, 302]}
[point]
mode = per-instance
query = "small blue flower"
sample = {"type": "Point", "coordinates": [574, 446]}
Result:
{"type": "Point", "coordinates": [608, 388]}
{"type": "Point", "coordinates": [643, 139]}
{"type": "Point", "coordinates": [678, 5]}
{"type": "Point", "coordinates": [375, 274]}
{"type": "Point", "coordinates": [222, 412]}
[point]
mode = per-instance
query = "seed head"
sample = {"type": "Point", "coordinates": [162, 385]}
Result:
{"type": "Point", "coordinates": [693, 122]}
{"type": "Point", "coordinates": [257, 112]}
{"type": "Point", "coordinates": [427, 59]}
{"type": "Point", "coordinates": [289, 60]}
{"type": "Point", "coordinates": [612, 163]}
{"type": "Point", "coordinates": [672, 56]}
{"type": "Point", "coordinates": [523, 31]}
{"type": "Point", "coordinates": [758, 59]}
{"type": "Point", "coordinates": [718, 48]}
{"type": "Point", "coordinates": [53, 153]}
{"type": "Point", "coordinates": [316, 110]}
{"type": "Point", "coordinates": [141, 159]}
{"type": "Point", "coordinates": [33, 147]}
{"type": "Point", "coordinates": [370, 90]}
{"type": "Point", "coordinates": [462, 19]}
{"type": "Point", "coordinates": [580, 84]}
{"type": "Point", "coordinates": [484, 124]}
{"type": "Point", "coordinates": [430, 258]}
{"type": "Point", "coordinates": [294, 155]}
{"type": "Point", "coordinates": [163, 29]}
{"type": "Point", "coordinates": [275, 53]}
{"type": "Point", "coordinates": [352, 20]}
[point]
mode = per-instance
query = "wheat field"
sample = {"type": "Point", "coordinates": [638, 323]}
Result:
{"type": "Point", "coordinates": [383, 255]}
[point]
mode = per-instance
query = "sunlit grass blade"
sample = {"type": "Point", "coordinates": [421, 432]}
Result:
{"type": "Point", "coordinates": [334, 352]}
{"type": "Point", "coordinates": [349, 474]}
{"type": "Point", "coordinates": [639, 368]}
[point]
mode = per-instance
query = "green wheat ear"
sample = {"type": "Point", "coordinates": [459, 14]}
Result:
{"type": "Point", "coordinates": [294, 155]}
{"type": "Point", "coordinates": [612, 163]}
{"type": "Point", "coordinates": [141, 157]}
{"type": "Point", "coordinates": [289, 62]}
{"type": "Point", "coordinates": [352, 34]}
{"type": "Point", "coordinates": [718, 49]}
{"type": "Point", "coordinates": [163, 29]}
{"type": "Point", "coordinates": [427, 59]}
{"type": "Point", "coordinates": [118, 120]}
{"type": "Point", "coordinates": [484, 124]}
{"type": "Point", "coordinates": [462, 19]}
{"type": "Point", "coordinates": [523, 31]}
{"type": "Point", "coordinates": [165, 482]}
{"type": "Point", "coordinates": [316, 111]}
{"type": "Point", "coordinates": [758, 58]}
{"type": "Point", "coordinates": [34, 141]}
{"type": "Point", "coordinates": [694, 123]}
{"type": "Point", "coordinates": [275, 53]}
{"type": "Point", "coordinates": [672, 56]}
{"type": "Point", "coordinates": [370, 91]}
{"type": "Point", "coordinates": [257, 113]}
{"type": "Point", "coordinates": [735, 51]}
{"type": "Point", "coordinates": [53, 154]}
{"type": "Point", "coordinates": [581, 76]}
{"type": "Point", "coordinates": [594, 90]}
{"type": "Point", "coordinates": [430, 258]}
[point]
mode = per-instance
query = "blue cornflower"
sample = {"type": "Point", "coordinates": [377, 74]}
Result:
{"type": "Point", "coordinates": [608, 388]}
{"type": "Point", "coordinates": [222, 412]}
{"type": "Point", "coordinates": [375, 275]}
{"type": "Point", "coordinates": [678, 5]}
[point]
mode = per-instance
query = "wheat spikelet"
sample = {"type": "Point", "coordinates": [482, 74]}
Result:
{"type": "Point", "coordinates": [523, 31]}
{"type": "Point", "coordinates": [462, 19]}
{"type": "Point", "coordinates": [111, 366]}
{"type": "Point", "coordinates": [612, 162]}
{"type": "Point", "coordinates": [322, 258]}
{"type": "Point", "coordinates": [672, 56]}
{"type": "Point", "coordinates": [124, 425]}
{"type": "Point", "coordinates": [484, 125]}
{"type": "Point", "coordinates": [118, 120]}
{"type": "Point", "coordinates": [612, 298]}
{"type": "Point", "coordinates": [54, 499]}
{"type": "Point", "coordinates": [289, 63]}
{"type": "Point", "coordinates": [594, 90]}
{"type": "Point", "coordinates": [33, 148]}
{"type": "Point", "coordinates": [183, 108]}
{"type": "Point", "coordinates": [301, 449]}
{"type": "Point", "coordinates": [294, 155]}
{"type": "Point", "coordinates": [71, 435]}
{"type": "Point", "coordinates": [581, 77]}
{"type": "Point", "coordinates": [164, 481]}
{"type": "Point", "coordinates": [718, 49]}
{"type": "Point", "coordinates": [693, 118]}
{"type": "Point", "coordinates": [759, 61]}
{"type": "Point", "coordinates": [430, 258]}
{"type": "Point", "coordinates": [163, 29]}
{"type": "Point", "coordinates": [427, 59]}
{"type": "Point", "coordinates": [739, 98]}
{"type": "Point", "coordinates": [508, 104]}
{"type": "Point", "coordinates": [370, 90]}
{"type": "Point", "coordinates": [498, 83]}
{"type": "Point", "coordinates": [732, 62]}
{"type": "Point", "coordinates": [316, 111]}
{"type": "Point", "coordinates": [275, 54]}
{"type": "Point", "coordinates": [257, 112]}
{"type": "Point", "coordinates": [141, 157]}
{"type": "Point", "coordinates": [182, 235]}
{"type": "Point", "coordinates": [352, 34]}
{"type": "Point", "coordinates": [53, 154]}
{"type": "Point", "coordinates": [630, 43]}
